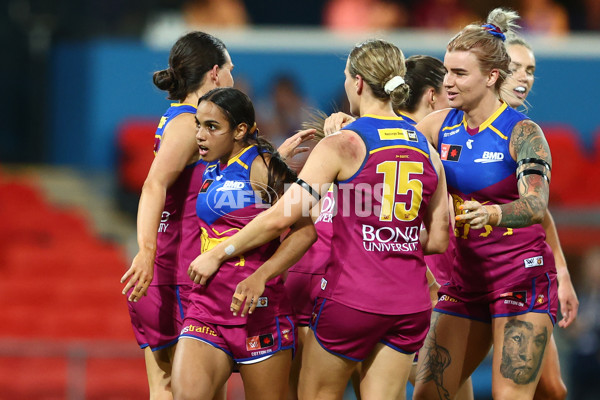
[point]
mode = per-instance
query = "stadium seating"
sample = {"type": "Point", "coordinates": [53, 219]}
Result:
{"type": "Point", "coordinates": [572, 170]}
{"type": "Point", "coordinates": [135, 143]}
{"type": "Point", "coordinates": [59, 286]}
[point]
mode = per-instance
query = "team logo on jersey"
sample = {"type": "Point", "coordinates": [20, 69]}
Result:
{"type": "Point", "coordinates": [534, 262]}
{"type": "Point", "coordinates": [450, 152]}
{"type": "Point", "coordinates": [205, 185]}
{"type": "Point", "coordinates": [397, 133]}
{"type": "Point", "coordinates": [469, 144]}
{"type": "Point", "coordinates": [490, 156]}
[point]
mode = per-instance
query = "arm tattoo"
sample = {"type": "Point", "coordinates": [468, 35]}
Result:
{"type": "Point", "coordinates": [528, 141]}
{"type": "Point", "coordinates": [523, 351]}
{"type": "Point", "coordinates": [436, 360]}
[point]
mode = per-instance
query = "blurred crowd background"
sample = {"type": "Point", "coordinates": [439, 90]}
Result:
{"type": "Point", "coordinates": [79, 114]}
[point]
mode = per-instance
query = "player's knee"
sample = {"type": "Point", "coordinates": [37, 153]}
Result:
{"type": "Point", "coordinates": [425, 392]}
{"type": "Point", "coordinates": [185, 389]}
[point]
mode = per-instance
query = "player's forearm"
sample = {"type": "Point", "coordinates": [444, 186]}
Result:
{"type": "Point", "coordinates": [290, 251]}
{"type": "Point", "coordinates": [554, 242]}
{"type": "Point", "coordinates": [150, 209]}
{"type": "Point", "coordinates": [262, 229]}
{"type": "Point", "coordinates": [523, 212]}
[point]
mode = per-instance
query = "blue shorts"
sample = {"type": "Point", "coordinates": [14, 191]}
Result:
{"type": "Point", "coordinates": [157, 318]}
{"type": "Point", "coordinates": [537, 295]}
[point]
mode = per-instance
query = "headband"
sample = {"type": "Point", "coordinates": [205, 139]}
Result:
{"type": "Point", "coordinates": [494, 30]}
{"type": "Point", "coordinates": [393, 83]}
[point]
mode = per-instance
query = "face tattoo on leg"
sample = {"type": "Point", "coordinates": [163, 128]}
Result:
{"type": "Point", "coordinates": [523, 351]}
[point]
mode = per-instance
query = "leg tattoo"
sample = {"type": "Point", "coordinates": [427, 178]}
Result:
{"type": "Point", "coordinates": [435, 361]}
{"type": "Point", "coordinates": [523, 351]}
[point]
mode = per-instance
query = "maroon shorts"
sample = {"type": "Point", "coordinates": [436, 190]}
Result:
{"type": "Point", "coordinates": [157, 318]}
{"type": "Point", "coordinates": [301, 290]}
{"type": "Point", "coordinates": [353, 334]}
{"type": "Point", "coordinates": [246, 344]}
{"type": "Point", "coordinates": [537, 295]}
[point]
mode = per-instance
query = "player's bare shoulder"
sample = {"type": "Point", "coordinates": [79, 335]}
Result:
{"type": "Point", "coordinates": [431, 125]}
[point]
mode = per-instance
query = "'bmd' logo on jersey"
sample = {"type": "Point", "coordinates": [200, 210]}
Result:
{"type": "Point", "coordinates": [490, 156]}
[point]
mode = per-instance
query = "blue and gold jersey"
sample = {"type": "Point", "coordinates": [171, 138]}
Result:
{"type": "Point", "coordinates": [228, 190]}
{"type": "Point", "coordinates": [172, 112]}
{"type": "Point", "coordinates": [407, 118]}
{"type": "Point", "coordinates": [479, 167]}
{"type": "Point", "coordinates": [226, 203]}
{"type": "Point", "coordinates": [486, 153]}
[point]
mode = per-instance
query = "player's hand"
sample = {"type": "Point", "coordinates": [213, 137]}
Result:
{"type": "Point", "coordinates": [289, 148]}
{"type": "Point", "coordinates": [139, 275]}
{"type": "Point", "coordinates": [247, 294]}
{"type": "Point", "coordinates": [203, 267]}
{"type": "Point", "coordinates": [569, 304]}
{"type": "Point", "coordinates": [336, 122]}
{"type": "Point", "coordinates": [475, 214]}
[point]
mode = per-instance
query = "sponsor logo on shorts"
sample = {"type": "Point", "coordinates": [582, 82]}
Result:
{"type": "Point", "coordinates": [285, 333]}
{"type": "Point", "coordinates": [198, 329]}
{"type": "Point", "coordinates": [515, 298]}
{"type": "Point", "coordinates": [262, 302]}
{"type": "Point", "coordinates": [534, 262]}
{"type": "Point", "coordinates": [323, 283]}
{"type": "Point", "coordinates": [445, 297]}
{"type": "Point", "coordinates": [521, 295]}
{"type": "Point", "coordinates": [259, 342]}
